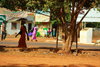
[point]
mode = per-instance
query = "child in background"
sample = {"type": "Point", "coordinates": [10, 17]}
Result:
{"type": "Point", "coordinates": [48, 32]}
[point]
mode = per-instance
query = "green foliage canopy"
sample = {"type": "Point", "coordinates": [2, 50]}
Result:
{"type": "Point", "coordinates": [54, 5]}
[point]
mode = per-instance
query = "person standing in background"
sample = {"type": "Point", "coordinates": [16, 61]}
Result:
{"type": "Point", "coordinates": [48, 32]}
{"type": "Point", "coordinates": [54, 32]}
{"type": "Point", "coordinates": [3, 31]}
{"type": "Point", "coordinates": [45, 32]}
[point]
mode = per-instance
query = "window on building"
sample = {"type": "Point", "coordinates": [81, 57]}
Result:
{"type": "Point", "coordinates": [14, 25]}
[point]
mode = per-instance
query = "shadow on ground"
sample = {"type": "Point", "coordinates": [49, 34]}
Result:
{"type": "Point", "coordinates": [45, 65]}
{"type": "Point", "coordinates": [15, 48]}
{"type": "Point", "coordinates": [2, 48]}
{"type": "Point", "coordinates": [88, 50]}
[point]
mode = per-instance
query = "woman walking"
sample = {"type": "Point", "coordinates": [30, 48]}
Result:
{"type": "Point", "coordinates": [34, 33]}
{"type": "Point", "coordinates": [22, 40]}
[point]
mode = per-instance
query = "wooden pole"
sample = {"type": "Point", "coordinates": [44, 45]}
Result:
{"type": "Point", "coordinates": [57, 38]}
{"type": "Point", "coordinates": [76, 44]}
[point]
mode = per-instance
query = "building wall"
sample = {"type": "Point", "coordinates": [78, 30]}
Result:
{"type": "Point", "coordinates": [11, 31]}
{"type": "Point", "coordinates": [96, 32]}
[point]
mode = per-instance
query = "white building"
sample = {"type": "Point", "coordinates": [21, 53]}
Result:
{"type": "Point", "coordinates": [14, 26]}
{"type": "Point", "coordinates": [92, 16]}
{"type": "Point", "coordinates": [87, 34]}
{"type": "Point", "coordinates": [13, 22]}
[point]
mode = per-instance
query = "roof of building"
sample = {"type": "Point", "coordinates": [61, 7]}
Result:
{"type": "Point", "coordinates": [16, 15]}
{"type": "Point", "coordinates": [92, 16]}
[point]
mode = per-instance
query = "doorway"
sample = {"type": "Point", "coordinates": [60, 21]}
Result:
{"type": "Point", "coordinates": [54, 26]}
{"type": "Point", "coordinates": [29, 26]}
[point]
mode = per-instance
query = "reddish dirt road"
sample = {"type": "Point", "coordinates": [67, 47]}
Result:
{"type": "Point", "coordinates": [46, 58]}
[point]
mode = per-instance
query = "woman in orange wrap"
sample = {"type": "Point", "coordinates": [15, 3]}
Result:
{"type": "Point", "coordinates": [22, 40]}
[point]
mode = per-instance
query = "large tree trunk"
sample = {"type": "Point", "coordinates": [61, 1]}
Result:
{"type": "Point", "coordinates": [66, 39]}
{"type": "Point", "coordinates": [63, 40]}
{"type": "Point", "coordinates": [68, 44]}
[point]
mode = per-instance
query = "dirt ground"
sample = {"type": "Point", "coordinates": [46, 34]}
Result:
{"type": "Point", "coordinates": [27, 57]}
{"type": "Point", "coordinates": [47, 59]}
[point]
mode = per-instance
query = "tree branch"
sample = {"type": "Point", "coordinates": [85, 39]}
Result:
{"type": "Point", "coordinates": [76, 13]}
{"type": "Point", "coordinates": [84, 16]}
